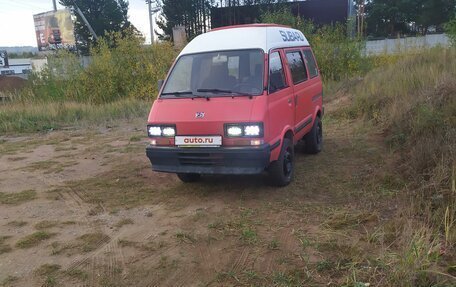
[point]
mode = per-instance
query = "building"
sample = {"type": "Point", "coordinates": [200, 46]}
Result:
{"type": "Point", "coordinates": [321, 12]}
{"type": "Point", "coordinates": [17, 67]}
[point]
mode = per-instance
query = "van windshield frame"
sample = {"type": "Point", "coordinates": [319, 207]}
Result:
{"type": "Point", "coordinates": [224, 73]}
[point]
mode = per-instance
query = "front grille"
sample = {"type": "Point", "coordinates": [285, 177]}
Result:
{"type": "Point", "coordinates": [200, 159]}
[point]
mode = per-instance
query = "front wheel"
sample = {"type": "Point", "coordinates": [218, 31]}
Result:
{"type": "Point", "coordinates": [314, 139]}
{"type": "Point", "coordinates": [281, 171]}
{"type": "Point", "coordinates": [189, 177]}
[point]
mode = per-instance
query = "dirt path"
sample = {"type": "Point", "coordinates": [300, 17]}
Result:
{"type": "Point", "coordinates": [100, 217]}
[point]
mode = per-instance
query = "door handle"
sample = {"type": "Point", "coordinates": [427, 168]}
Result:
{"type": "Point", "coordinates": [289, 100]}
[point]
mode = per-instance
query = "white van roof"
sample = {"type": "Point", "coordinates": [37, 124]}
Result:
{"type": "Point", "coordinates": [253, 36]}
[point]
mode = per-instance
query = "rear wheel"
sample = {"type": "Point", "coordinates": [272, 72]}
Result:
{"type": "Point", "coordinates": [281, 171]}
{"type": "Point", "coordinates": [189, 177]}
{"type": "Point", "coordinates": [314, 139]}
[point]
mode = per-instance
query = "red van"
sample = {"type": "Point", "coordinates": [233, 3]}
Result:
{"type": "Point", "coordinates": [236, 101]}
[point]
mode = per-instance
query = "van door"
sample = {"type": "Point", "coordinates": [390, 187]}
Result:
{"type": "Point", "coordinates": [280, 99]}
{"type": "Point", "coordinates": [315, 85]}
{"type": "Point", "coordinates": [303, 104]}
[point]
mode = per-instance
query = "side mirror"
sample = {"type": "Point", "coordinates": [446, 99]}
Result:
{"type": "Point", "coordinates": [160, 84]}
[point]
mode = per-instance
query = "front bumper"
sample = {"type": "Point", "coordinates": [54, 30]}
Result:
{"type": "Point", "coordinates": [207, 160]}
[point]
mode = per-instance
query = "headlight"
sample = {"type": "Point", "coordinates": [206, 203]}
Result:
{"type": "Point", "coordinates": [169, 132]}
{"type": "Point", "coordinates": [244, 130]}
{"type": "Point", "coordinates": [234, 131]}
{"type": "Point", "coordinates": [154, 131]}
{"type": "Point", "coordinates": [161, 130]}
{"type": "Point", "coordinates": [253, 130]}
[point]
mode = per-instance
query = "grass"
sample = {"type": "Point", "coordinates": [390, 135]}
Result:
{"type": "Point", "coordinates": [4, 248]}
{"type": "Point", "coordinates": [91, 241]}
{"type": "Point", "coordinates": [17, 223]}
{"type": "Point", "coordinates": [123, 222]}
{"type": "Point", "coordinates": [184, 237]}
{"type": "Point", "coordinates": [83, 244]}
{"type": "Point", "coordinates": [46, 224]}
{"type": "Point", "coordinates": [249, 236]}
{"type": "Point", "coordinates": [17, 117]}
{"type": "Point", "coordinates": [49, 166]}
{"type": "Point", "coordinates": [9, 281]}
{"type": "Point", "coordinates": [14, 198]}
{"type": "Point", "coordinates": [47, 269]}
{"type": "Point", "coordinates": [33, 239]}
{"type": "Point", "coordinates": [77, 274]}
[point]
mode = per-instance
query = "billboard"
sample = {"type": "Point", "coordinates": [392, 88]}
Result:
{"type": "Point", "coordinates": [54, 30]}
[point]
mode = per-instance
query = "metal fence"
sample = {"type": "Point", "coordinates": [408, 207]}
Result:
{"type": "Point", "coordinates": [393, 46]}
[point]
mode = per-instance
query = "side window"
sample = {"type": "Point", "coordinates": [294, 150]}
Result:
{"type": "Point", "coordinates": [297, 67]}
{"type": "Point", "coordinates": [276, 74]}
{"type": "Point", "coordinates": [311, 64]}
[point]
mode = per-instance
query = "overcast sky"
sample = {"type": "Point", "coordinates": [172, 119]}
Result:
{"type": "Point", "coordinates": [16, 20]}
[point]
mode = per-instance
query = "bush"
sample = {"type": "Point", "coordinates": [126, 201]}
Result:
{"type": "Point", "coordinates": [450, 29]}
{"type": "Point", "coordinates": [130, 70]}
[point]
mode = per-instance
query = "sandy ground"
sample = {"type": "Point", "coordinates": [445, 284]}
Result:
{"type": "Point", "coordinates": [109, 220]}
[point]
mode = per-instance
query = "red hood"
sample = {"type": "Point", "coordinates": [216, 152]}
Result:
{"type": "Point", "coordinates": [217, 111]}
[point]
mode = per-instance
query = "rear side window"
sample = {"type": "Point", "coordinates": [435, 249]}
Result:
{"type": "Point", "coordinates": [276, 74]}
{"type": "Point", "coordinates": [297, 67]}
{"type": "Point", "coordinates": [311, 64]}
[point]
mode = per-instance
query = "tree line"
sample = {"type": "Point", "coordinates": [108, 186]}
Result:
{"type": "Point", "coordinates": [379, 17]}
{"type": "Point", "coordinates": [399, 17]}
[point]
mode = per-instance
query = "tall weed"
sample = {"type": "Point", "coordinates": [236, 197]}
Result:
{"type": "Point", "coordinates": [414, 102]}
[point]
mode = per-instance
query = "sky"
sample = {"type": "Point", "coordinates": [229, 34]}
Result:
{"type": "Point", "coordinates": [16, 20]}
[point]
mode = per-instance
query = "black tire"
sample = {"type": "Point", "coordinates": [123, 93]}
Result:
{"type": "Point", "coordinates": [281, 171]}
{"type": "Point", "coordinates": [189, 177]}
{"type": "Point", "coordinates": [314, 139]}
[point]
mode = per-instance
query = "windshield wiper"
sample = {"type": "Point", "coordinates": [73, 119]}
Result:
{"type": "Point", "coordinates": [178, 94]}
{"type": "Point", "coordinates": [183, 93]}
{"type": "Point", "coordinates": [222, 91]}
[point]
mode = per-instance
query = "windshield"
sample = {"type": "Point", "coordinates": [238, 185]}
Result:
{"type": "Point", "coordinates": [217, 74]}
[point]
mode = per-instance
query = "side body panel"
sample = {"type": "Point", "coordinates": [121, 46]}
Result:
{"type": "Point", "coordinates": [281, 112]}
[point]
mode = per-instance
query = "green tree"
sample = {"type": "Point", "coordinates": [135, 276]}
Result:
{"type": "Point", "coordinates": [192, 14]}
{"type": "Point", "coordinates": [389, 17]}
{"type": "Point", "coordinates": [433, 13]}
{"type": "Point", "coordinates": [104, 16]}
{"type": "Point", "coordinates": [393, 17]}
{"type": "Point", "coordinates": [450, 29]}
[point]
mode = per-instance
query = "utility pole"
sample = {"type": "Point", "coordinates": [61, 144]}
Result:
{"type": "Point", "coordinates": [153, 7]}
{"type": "Point", "coordinates": [85, 21]}
{"type": "Point", "coordinates": [54, 2]}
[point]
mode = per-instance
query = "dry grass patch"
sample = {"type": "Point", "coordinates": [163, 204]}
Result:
{"type": "Point", "coordinates": [47, 269]}
{"type": "Point", "coordinates": [83, 244]}
{"type": "Point", "coordinates": [33, 239]}
{"type": "Point", "coordinates": [123, 222]}
{"type": "Point", "coordinates": [77, 274]}
{"type": "Point", "coordinates": [17, 223]}
{"type": "Point", "coordinates": [46, 224]}
{"type": "Point", "coordinates": [13, 198]}
{"type": "Point", "coordinates": [9, 281]}
{"type": "Point", "coordinates": [4, 248]}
